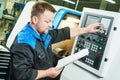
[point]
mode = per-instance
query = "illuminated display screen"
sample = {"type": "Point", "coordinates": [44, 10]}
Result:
{"type": "Point", "coordinates": [91, 20]}
{"type": "Point", "coordinates": [106, 23]}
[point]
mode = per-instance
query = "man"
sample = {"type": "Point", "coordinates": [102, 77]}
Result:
{"type": "Point", "coordinates": [31, 53]}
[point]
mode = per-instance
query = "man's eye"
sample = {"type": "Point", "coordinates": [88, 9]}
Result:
{"type": "Point", "coordinates": [47, 21]}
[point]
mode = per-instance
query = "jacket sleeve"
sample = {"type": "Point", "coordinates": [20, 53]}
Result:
{"type": "Point", "coordinates": [60, 34]}
{"type": "Point", "coordinates": [22, 61]}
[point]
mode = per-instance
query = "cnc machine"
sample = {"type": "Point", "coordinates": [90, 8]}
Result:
{"type": "Point", "coordinates": [103, 48]}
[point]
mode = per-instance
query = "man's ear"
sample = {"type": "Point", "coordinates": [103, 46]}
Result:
{"type": "Point", "coordinates": [34, 19]}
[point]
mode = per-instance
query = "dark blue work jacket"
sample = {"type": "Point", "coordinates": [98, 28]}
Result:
{"type": "Point", "coordinates": [29, 53]}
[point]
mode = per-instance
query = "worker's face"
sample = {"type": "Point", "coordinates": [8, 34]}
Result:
{"type": "Point", "coordinates": [44, 22]}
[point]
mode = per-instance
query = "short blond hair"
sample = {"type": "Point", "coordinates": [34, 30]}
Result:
{"type": "Point", "coordinates": [40, 6]}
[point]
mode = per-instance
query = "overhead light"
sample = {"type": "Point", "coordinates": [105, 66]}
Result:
{"type": "Point", "coordinates": [111, 1]}
{"type": "Point", "coordinates": [69, 1]}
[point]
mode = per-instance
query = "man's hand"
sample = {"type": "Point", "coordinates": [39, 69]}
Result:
{"type": "Point", "coordinates": [53, 72]}
{"type": "Point", "coordinates": [93, 28]}
{"type": "Point", "coordinates": [89, 29]}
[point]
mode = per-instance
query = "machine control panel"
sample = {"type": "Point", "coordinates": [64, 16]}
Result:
{"type": "Point", "coordinates": [103, 46]}
{"type": "Point", "coordinates": [95, 42]}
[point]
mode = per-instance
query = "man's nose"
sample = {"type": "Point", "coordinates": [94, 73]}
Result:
{"type": "Point", "coordinates": [50, 25]}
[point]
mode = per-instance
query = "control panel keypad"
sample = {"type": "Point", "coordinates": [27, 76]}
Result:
{"type": "Point", "coordinates": [95, 44]}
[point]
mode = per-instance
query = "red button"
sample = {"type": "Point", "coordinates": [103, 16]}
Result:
{"type": "Point", "coordinates": [99, 52]}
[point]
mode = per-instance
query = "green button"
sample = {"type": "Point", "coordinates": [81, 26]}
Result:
{"type": "Point", "coordinates": [100, 48]}
{"type": "Point", "coordinates": [101, 39]}
{"type": "Point", "coordinates": [97, 40]}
